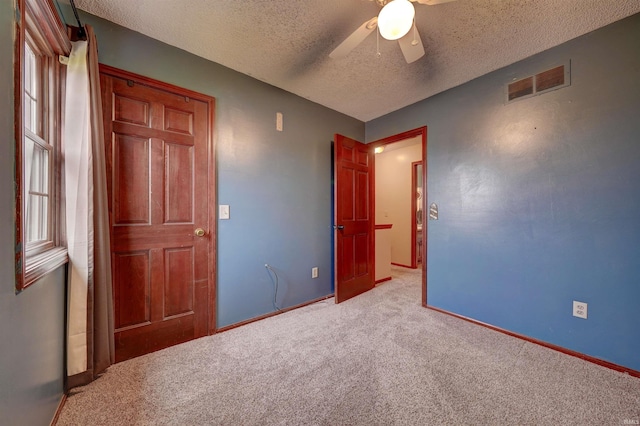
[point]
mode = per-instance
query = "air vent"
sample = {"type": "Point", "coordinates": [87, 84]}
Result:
{"type": "Point", "coordinates": [521, 88]}
{"type": "Point", "coordinates": [545, 81]}
{"type": "Point", "coordinates": [551, 79]}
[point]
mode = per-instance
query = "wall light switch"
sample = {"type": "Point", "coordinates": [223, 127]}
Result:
{"type": "Point", "coordinates": [224, 211]}
{"type": "Point", "coordinates": [279, 121]}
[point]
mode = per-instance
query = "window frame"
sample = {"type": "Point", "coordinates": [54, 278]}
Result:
{"type": "Point", "coordinates": [39, 25]}
{"type": "Point", "coordinates": [40, 136]}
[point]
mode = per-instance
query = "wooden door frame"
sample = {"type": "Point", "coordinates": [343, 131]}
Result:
{"type": "Point", "coordinates": [414, 205]}
{"type": "Point", "coordinates": [211, 178]}
{"type": "Point", "coordinates": [420, 131]}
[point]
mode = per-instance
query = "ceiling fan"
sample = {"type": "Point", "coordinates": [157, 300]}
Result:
{"type": "Point", "coordinates": [395, 22]}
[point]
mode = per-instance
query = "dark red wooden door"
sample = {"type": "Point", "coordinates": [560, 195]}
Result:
{"type": "Point", "coordinates": [159, 194]}
{"type": "Point", "coordinates": [354, 220]}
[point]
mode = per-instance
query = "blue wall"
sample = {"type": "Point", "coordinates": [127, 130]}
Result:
{"type": "Point", "coordinates": [539, 200]}
{"type": "Point", "coordinates": [278, 184]}
{"type": "Point", "coordinates": [32, 322]}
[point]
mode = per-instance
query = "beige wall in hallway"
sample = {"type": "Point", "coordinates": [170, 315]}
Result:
{"type": "Point", "coordinates": [393, 196]}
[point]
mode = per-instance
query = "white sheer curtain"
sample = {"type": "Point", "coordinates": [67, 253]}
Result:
{"type": "Point", "coordinates": [90, 306]}
{"type": "Point", "coordinates": [78, 184]}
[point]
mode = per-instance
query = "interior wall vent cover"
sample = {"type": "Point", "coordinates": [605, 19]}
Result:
{"type": "Point", "coordinates": [545, 81]}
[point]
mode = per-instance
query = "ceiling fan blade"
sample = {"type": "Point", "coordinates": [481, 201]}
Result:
{"type": "Point", "coordinates": [354, 39]}
{"type": "Point", "coordinates": [432, 2]}
{"type": "Point", "coordinates": [411, 45]}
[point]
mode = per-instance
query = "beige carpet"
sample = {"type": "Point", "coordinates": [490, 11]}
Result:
{"type": "Point", "coordinates": [377, 359]}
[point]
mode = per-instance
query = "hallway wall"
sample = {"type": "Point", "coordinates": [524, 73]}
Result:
{"type": "Point", "coordinates": [393, 197]}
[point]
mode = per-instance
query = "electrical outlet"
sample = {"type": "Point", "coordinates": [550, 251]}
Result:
{"type": "Point", "coordinates": [579, 309]}
{"type": "Point", "coordinates": [314, 272]}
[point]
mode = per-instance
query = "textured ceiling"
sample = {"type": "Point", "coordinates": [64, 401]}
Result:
{"type": "Point", "coordinates": [287, 42]}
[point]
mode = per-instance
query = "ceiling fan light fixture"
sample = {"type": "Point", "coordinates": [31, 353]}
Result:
{"type": "Point", "coordinates": [396, 19]}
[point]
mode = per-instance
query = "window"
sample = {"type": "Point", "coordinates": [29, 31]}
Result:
{"type": "Point", "coordinates": [37, 156]}
{"type": "Point", "coordinates": [38, 116]}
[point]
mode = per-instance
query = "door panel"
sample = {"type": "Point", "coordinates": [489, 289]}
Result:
{"type": "Point", "coordinates": [132, 266]}
{"type": "Point", "coordinates": [178, 282]}
{"type": "Point", "coordinates": [130, 153]}
{"type": "Point", "coordinates": [158, 167]}
{"type": "Point", "coordinates": [355, 227]}
{"type": "Point", "coordinates": [179, 164]}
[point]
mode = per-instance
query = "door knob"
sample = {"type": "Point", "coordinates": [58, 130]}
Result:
{"type": "Point", "coordinates": [199, 232]}
{"type": "Point", "coordinates": [340, 227]}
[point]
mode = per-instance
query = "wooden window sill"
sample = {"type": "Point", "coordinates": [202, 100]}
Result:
{"type": "Point", "coordinates": [44, 263]}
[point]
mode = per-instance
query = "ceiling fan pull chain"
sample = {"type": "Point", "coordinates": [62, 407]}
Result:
{"type": "Point", "coordinates": [415, 41]}
{"type": "Point", "coordinates": [378, 54]}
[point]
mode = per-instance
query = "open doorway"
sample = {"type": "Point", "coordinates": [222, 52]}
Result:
{"type": "Point", "coordinates": [400, 199]}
